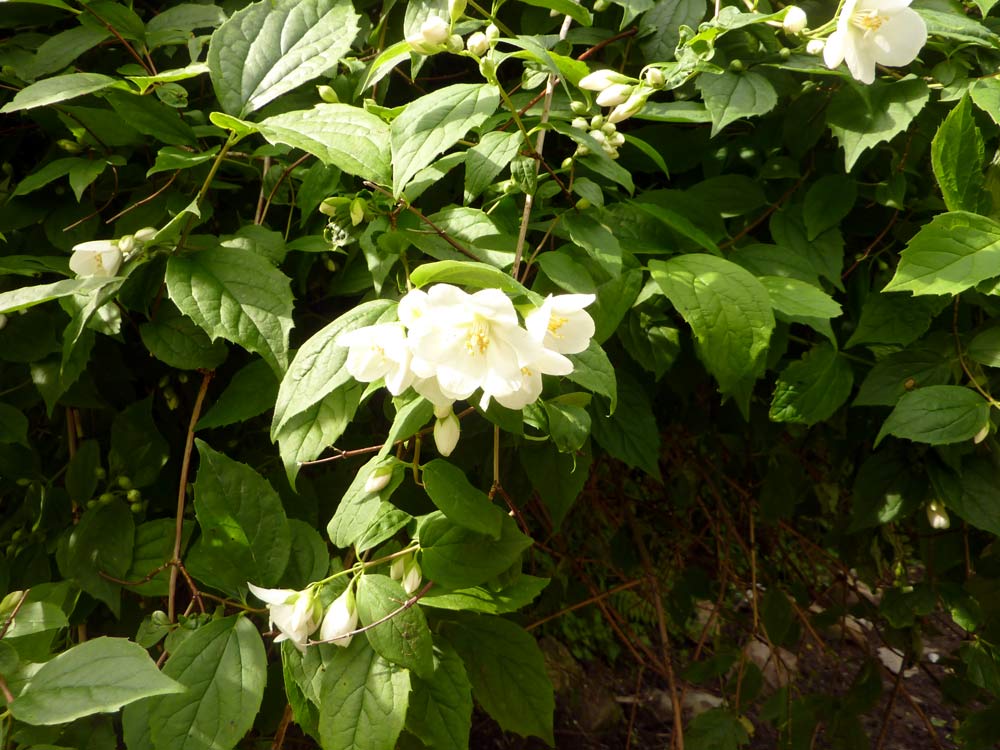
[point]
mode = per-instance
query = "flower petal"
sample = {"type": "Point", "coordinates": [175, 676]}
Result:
{"type": "Point", "coordinates": [900, 39]}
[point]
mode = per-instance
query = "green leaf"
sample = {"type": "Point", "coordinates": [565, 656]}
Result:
{"type": "Point", "coordinates": [176, 74]}
{"type": "Point", "coordinates": [350, 138]}
{"type": "Point", "coordinates": [450, 490]}
{"type": "Point", "coordinates": [985, 347]}
{"type": "Point", "coordinates": [154, 546]}
{"type": "Point", "coordinates": [473, 229]}
{"type": "Point", "coordinates": [242, 522]}
{"type": "Point", "coordinates": [728, 309]}
{"type": "Point", "coordinates": [557, 477]}
{"type": "Point", "coordinates": [811, 389]}
{"type": "Point", "coordinates": [828, 201]}
{"type": "Point", "coordinates": [223, 666]}
{"type": "Point", "coordinates": [318, 368]}
{"type": "Point", "coordinates": [96, 676]}
{"type": "Point", "coordinates": [13, 425]}
{"type": "Point", "coordinates": [412, 412]}
{"type": "Point", "coordinates": [469, 274]}
{"type": "Point", "coordinates": [151, 117]}
{"type": "Point", "coordinates": [485, 599]}
{"type": "Point", "coordinates": [32, 618]}
{"type": "Point", "coordinates": [440, 711]}
{"type": "Point", "coordinates": [824, 255]}
{"type": "Point", "coordinates": [937, 414]}
{"type": "Point", "coordinates": [596, 238]}
{"type": "Point", "coordinates": [235, 295]}
{"type": "Point", "coordinates": [631, 433]}
{"type": "Point", "coordinates": [269, 48]}
{"type": "Point", "coordinates": [251, 392]}
{"type": "Point", "coordinates": [59, 89]}
{"type": "Point", "coordinates": [46, 174]}
{"type": "Point", "coordinates": [952, 253]}
{"type": "Point", "coordinates": [507, 672]}
{"type": "Point", "coordinates": [359, 509]}
{"type": "Point", "coordinates": [957, 156]}
{"type": "Point", "coordinates": [363, 700]}
{"type": "Point", "coordinates": [971, 494]}
{"type": "Point", "coordinates": [863, 116]}
{"type": "Point", "coordinates": [901, 372]}
{"type": "Point", "coordinates": [458, 558]}
{"type": "Point", "coordinates": [730, 96]}
{"type": "Point", "coordinates": [895, 319]}
{"type": "Point", "coordinates": [680, 224]}
{"type": "Point", "coordinates": [565, 8]}
{"type": "Point", "coordinates": [487, 159]}
{"type": "Point", "coordinates": [716, 729]}
{"type": "Point", "coordinates": [175, 340]}
{"type": "Point", "coordinates": [29, 296]}
{"type": "Point", "coordinates": [801, 302]}
{"type": "Point", "coordinates": [102, 542]}
{"type": "Point", "coordinates": [171, 158]}
{"type": "Point", "coordinates": [309, 559]}
{"type": "Point", "coordinates": [593, 370]}
{"type": "Point", "coordinates": [404, 638]}
{"type": "Point", "coordinates": [665, 20]}
{"type": "Point", "coordinates": [433, 123]}
{"type": "Point", "coordinates": [307, 434]}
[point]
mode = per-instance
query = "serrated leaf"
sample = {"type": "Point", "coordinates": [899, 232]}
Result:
{"type": "Point", "coordinates": [251, 392]}
{"type": "Point", "coordinates": [235, 295]}
{"type": "Point", "coordinates": [242, 522]}
{"type": "Point", "coordinates": [404, 638]}
{"type": "Point", "coordinates": [665, 19]}
{"type": "Point", "coordinates": [828, 200]}
{"type": "Point", "coordinates": [269, 48]}
{"type": "Point", "coordinates": [433, 123]}
{"type": "Point", "coordinates": [957, 156]}
{"type": "Point", "coordinates": [485, 600]}
{"type": "Point", "coordinates": [861, 117]}
{"type": "Point", "coordinates": [458, 558]}
{"type": "Point", "coordinates": [440, 711]}
{"type": "Point", "coordinates": [730, 96]}
{"type": "Point", "coordinates": [971, 494]}
{"type": "Point", "coordinates": [223, 666]}
{"type": "Point", "coordinates": [507, 672]}
{"type": "Point", "coordinates": [347, 137]}
{"type": "Point", "coordinates": [811, 389]}
{"type": "Point", "coordinates": [359, 509]}
{"type": "Point", "coordinates": [901, 372]}
{"type": "Point", "coordinates": [154, 546]}
{"type": "Point", "coordinates": [318, 367]}
{"type": "Point", "coordinates": [631, 433]}
{"type": "Point", "coordinates": [102, 542]}
{"type": "Point", "coordinates": [895, 319]}
{"type": "Point", "coordinates": [100, 675]}
{"type": "Point", "coordinates": [938, 415]}
{"type": "Point", "coordinates": [952, 253]}
{"type": "Point", "coordinates": [728, 309]}
{"type": "Point", "coordinates": [487, 159]}
{"type": "Point", "coordinates": [175, 340]}
{"type": "Point", "coordinates": [593, 370]}
{"type": "Point", "coordinates": [363, 700]}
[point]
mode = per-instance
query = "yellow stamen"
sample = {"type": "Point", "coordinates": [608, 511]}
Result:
{"type": "Point", "coordinates": [478, 339]}
{"type": "Point", "coordinates": [555, 323]}
{"type": "Point", "coordinates": [868, 20]}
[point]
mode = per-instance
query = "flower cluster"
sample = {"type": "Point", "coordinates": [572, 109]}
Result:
{"type": "Point", "coordinates": [449, 344]}
{"type": "Point", "coordinates": [298, 614]}
{"type": "Point", "coordinates": [626, 96]}
{"type": "Point", "coordinates": [875, 32]}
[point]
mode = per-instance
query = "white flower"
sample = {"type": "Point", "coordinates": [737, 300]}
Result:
{"type": "Point", "coordinates": [613, 95]}
{"type": "Point", "coordinates": [561, 324]}
{"type": "Point", "coordinates": [340, 619]}
{"type": "Point", "coordinates": [292, 612]}
{"type": "Point", "coordinates": [870, 32]}
{"type": "Point", "coordinates": [96, 258]}
{"type": "Point", "coordinates": [406, 570]}
{"type": "Point", "coordinates": [447, 430]}
{"type": "Point", "coordinates": [465, 341]}
{"type": "Point", "coordinates": [601, 79]}
{"type": "Point", "coordinates": [795, 20]}
{"type": "Point", "coordinates": [815, 47]}
{"type": "Point", "coordinates": [937, 516]}
{"type": "Point", "coordinates": [379, 351]}
{"type": "Point", "coordinates": [477, 44]}
{"type": "Point", "coordinates": [631, 107]}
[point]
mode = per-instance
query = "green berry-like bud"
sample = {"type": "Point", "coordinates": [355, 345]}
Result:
{"type": "Point", "coordinates": [736, 66]}
{"type": "Point", "coordinates": [596, 122]}
{"type": "Point", "coordinates": [125, 482]}
{"type": "Point", "coordinates": [578, 107]}
{"type": "Point", "coordinates": [567, 163]}
{"type": "Point", "coordinates": [583, 204]}
{"type": "Point", "coordinates": [327, 94]}
{"type": "Point", "coordinates": [99, 472]}
{"type": "Point", "coordinates": [92, 503]}
{"type": "Point", "coordinates": [135, 508]}
{"type": "Point", "coordinates": [134, 496]}
{"type": "Point", "coordinates": [601, 5]}
{"type": "Point", "coordinates": [182, 377]}
{"type": "Point", "coordinates": [105, 498]}
{"type": "Point", "coordinates": [70, 147]}
{"type": "Point", "coordinates": [784, 53]}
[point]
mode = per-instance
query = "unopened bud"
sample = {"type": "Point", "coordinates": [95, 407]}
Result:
{"type": "Point", "coordinates": [614, 95]}
{"type": "Point", "coordinates": [601, 79]}
{"type": "Point", "coordinates": [145, 234]}
{"type": "Point", "coordinates": [578, 107]}
{"type": "Point", "coordinates": [455, 43]}
{"type": "Point", "coordinates": [456, 9]}
{"type": "Point", "coordinates": [632, 106]}
{"type": "Point", "coordinates": [795, 20]}
{"type": "Point", "coordinates": [477, 44]}
{"type": "Point", "coordinates": [327, 94]}
{"type": "Point", "coordinates": [492, 32]}
{"type": "Point", "coordinates": [126, 244]}
{"type": "Point", "coordinates": [815, 47]}
{"type": "Point", "coordinates": [378, 480]}
{"type": "Point", "coordinates": [3, 321]}
{"type": "Point", "coordinates": [447, 430]}
{"type": "Point", "coordinates": [580, 123]}
{"type": "Point", "coordinates": [937, 516]}
{"type": "Point", "coordinates": [358, 206]}
{"type": "Point", "coordinates": [981, 435]}
{"type": "Point", "coordinates": [435, 30]}
{"type": "Point", "coordinates": [654, 77]}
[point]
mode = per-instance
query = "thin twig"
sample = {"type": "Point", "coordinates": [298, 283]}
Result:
{"type": "Point", "coordinates": [17, 608]}
{"type": "Point", "coordinates": [584, 603]}
{"type": "Point", "coordinates": [182, 494]}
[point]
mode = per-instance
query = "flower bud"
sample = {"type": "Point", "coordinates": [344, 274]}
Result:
{"type": "Point", "coordinates": [815, 46]}
{"type": "Point", "coordinates": [407, 571]}
{"type": "Point", "coordinates": [435, 30]}
{"type": "Point", "coordinates": [795, 20]}
{"type": "Point", "coordinates": [145, 234]}
{"type": "Point", "coordinates": [601, 5]}
{"type": "Point", "coordinates": [446, 433]}
{"type": "Point", "coordinates": [340, 619]}
{"type": "Point", "coordinates": [378, 480]}
{"type": "Point", "coordinates": [616, 140]}
{"type": "Point", "coordinates": [981, 435]}
{"type": "Point", "coordinates": [609, 128]}
{"type": "Point", "coordinates": [633, 105]}
{"type": "Point", "coordinates": [492, 32]}
{"type": "Point", "coordinates": [477, 44]}
{"type": "Point", "coordinates": [937, 516]}
{"type": "Point", "coordinates": [358, 206]}
{"type": "Point", "coordinates": [580, 123]}
{"type": "Point", "coordinates": [598, 135]}
{"type": "Point", "coordinates": [327, 94]}
{"type": "Point", "coordinates": [654, 77]}
{"type": "Point", "coordinates": [578, 107]}
{"type": "Point", "coordinates": [601, 79]}
{"type": "Point", "coordinates": [456, 9]}
{"type": "Point", "coordinates": [455, 43]}
{"type": "Point", "coordinates": [614, 95]}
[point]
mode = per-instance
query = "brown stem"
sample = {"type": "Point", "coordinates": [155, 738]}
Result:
{"type": "Point", "coordinates": [610, 40]}
{"type": "Point", "coordinates": [279, 734]}
{"type": "Point", "coordinates": [416, 212]}
{"type": "Point", "coordinates": [584, 603]}
{"type": "Point", "coordinates": [182, 494]}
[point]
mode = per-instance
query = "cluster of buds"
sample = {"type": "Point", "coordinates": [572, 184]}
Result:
{"type": "Point", "coordinates": [435, 36]}
{"type": "Point", "coordinates": [626, 96]}
{"type": "Point", "coordinates": [407, 571]}
{"type": "Point", "coordinates": [298, 614]}
{"type": "Point", "coordinates": [604, 132]}
{"type": "Point", "coordinates": [105, 257]}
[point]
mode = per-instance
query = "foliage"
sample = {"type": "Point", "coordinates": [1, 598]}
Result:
{"type": "Point", "coordinates": [252, 252]}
